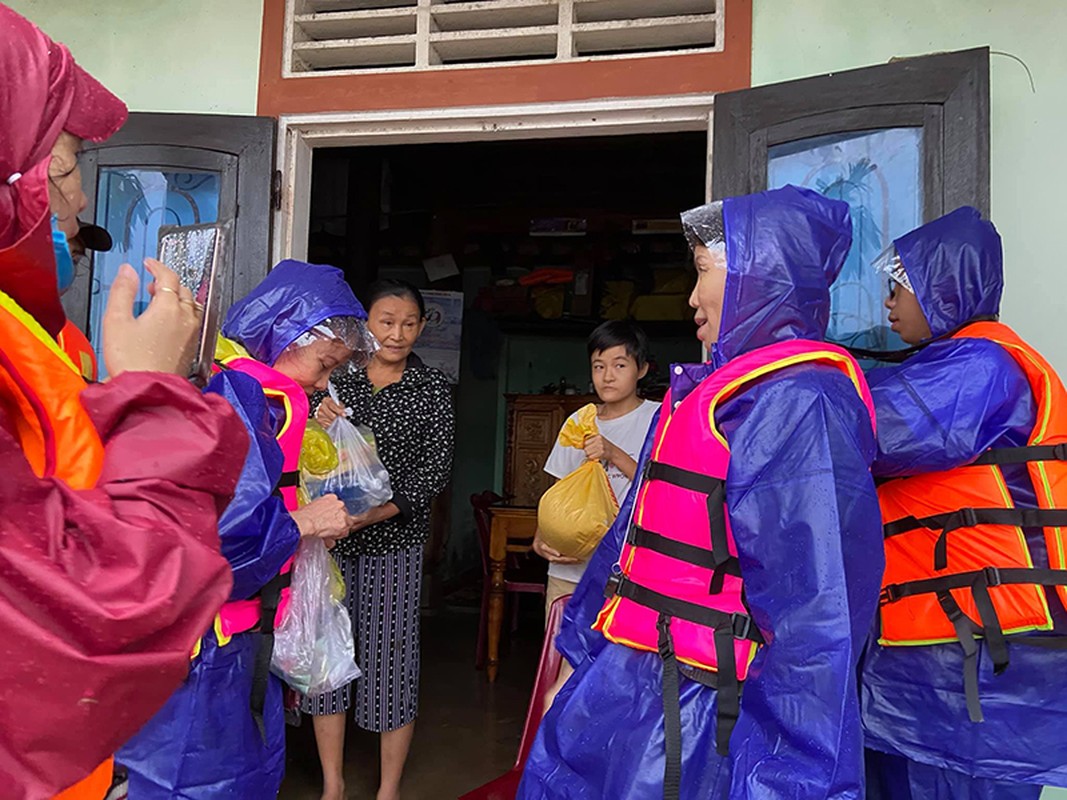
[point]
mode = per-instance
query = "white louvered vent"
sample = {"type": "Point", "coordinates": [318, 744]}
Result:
{"type": "Point", "coordinates": [360, 35]}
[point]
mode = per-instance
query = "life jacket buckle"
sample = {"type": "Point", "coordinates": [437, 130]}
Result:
{"type": "Point", "coordinates": [964, 518]}
{"type": "Point", "coordinates": [611, 588]}
{"type": "Point", "coordinates": [742, 625]}
{"type": "Point", "coordinates": [992, 576]}
{"type": "Point", "coordinates": [666, 642]}
{"type": "Point", "coordinates": [1060, 451]}
{"type": "Point", "coordinates": [890, 594]}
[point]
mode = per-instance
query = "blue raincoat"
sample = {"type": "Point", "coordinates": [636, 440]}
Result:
{"type": "Point", "coordinates": [938, 410]}
{"type": "Point", "coordinates": [205, 743]}
{"type": "Point", "coordinates": [801, 504]}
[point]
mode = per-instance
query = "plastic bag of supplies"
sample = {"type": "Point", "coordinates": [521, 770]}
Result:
{"type": "Point", "coordinates": [359, 480]}
{"type": "Point", "coordinates": [576, 512]}
{"type": "Point", "coordinates": [314, 650]}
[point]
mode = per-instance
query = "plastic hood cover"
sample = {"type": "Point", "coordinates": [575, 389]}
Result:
{"type": "Point", "coordinates": [784, 248]}
{"type": "Point", "coordinates": [956, 267]}
{"type": "Point", "coordinates": [291, 300]}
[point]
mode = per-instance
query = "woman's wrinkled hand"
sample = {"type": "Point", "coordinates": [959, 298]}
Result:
{"type": "Point", "coordinates": [328, 411]}
{"type": "Point", "coordinates": [550, 554]}
{"type": "Point", "coordinates": [163, 338]}
{"type": "Point", "coordinates": [323, 518]}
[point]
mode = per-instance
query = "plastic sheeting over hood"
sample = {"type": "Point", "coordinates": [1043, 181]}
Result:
{"type": "Point", "coordinates": [291, 300]}
{"type": "Point", "coordinates": [784, 248]}
{"type": "Point", "coordinates": [956, 267]}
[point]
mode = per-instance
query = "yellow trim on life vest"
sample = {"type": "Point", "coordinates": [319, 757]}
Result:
{"type": "Point", "coordinates": [1037, 437]}
{"type": "Point", "coordinates": [774, 366]}
{"type": "Point", "coordinates": [221, 637]}
{"type": "Point", "coordinates": [34, 327]}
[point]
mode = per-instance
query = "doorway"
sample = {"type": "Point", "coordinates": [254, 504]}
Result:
{"type": "Point", "coordinates": [476, 223]}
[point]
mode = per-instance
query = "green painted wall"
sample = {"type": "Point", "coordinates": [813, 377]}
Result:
{"type": "Point", "coordinates": [797, 39]}
{"type": "Point", "coordinates": [171, 55]}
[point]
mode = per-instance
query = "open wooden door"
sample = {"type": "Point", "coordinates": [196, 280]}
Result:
{"type": "Point", "coordinates": [902, 143]}
{"type": "Point", "coordinates": [176, 169]}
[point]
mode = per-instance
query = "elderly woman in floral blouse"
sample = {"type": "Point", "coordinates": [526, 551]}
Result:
{"type": "Point", "coordinates": [408, 405]}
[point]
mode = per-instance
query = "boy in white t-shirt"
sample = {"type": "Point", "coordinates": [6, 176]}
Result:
{"type": "Point", "coordinates": [618, 354]}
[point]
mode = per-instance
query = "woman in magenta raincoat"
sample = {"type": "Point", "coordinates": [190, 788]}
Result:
{"type": "Point", "coordinates": [105, 583]}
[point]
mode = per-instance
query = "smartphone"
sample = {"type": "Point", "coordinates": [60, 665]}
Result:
{"type": "Point", "coordinates": [199, 254]}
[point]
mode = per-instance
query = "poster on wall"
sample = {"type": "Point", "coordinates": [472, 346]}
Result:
{"type": "Point", "coordinates": [440, 342]}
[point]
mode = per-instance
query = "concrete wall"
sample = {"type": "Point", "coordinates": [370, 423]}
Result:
{"type": "Point", "coordinates": [169, 55]}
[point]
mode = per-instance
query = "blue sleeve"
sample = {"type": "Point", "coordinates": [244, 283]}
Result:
{"type": "Point", "coordinates": [804, 514]}
{"type": "Point", "coordinates": [258, 536]}
{"type": "Point", "coordinates": [577, 640]}
{"type": "Point", "coordinates": [941, 408]}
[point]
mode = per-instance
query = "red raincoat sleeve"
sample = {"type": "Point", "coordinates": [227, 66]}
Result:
{"type": "Point", "coordinates": [104, 592]}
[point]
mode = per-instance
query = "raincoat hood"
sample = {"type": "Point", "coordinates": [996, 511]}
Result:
{"type": "Point", "coordinates": [784, 248]}
{"type": "Point", "coordinates": [955, 265]}
{"type": "Point", "coordinates": [290, 301]}
{"type": "Point", "coordinates": [43, 92]}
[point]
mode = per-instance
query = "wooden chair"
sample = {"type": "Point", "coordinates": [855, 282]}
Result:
{"type": "Point", "coordinates": [523, 574]}
{"type": "Point", "coordinates": [507, 785]}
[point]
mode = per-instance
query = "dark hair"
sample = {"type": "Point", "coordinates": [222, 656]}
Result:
{"type": "Point", "coordinates": [391, 287]}
{"type": "Point", "coordinates": [617, 333]}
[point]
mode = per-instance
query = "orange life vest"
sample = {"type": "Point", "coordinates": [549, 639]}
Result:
{"type": "Point", "coordinates": [39, 389]}
{"type": "Point", "coordinates": [957, 562]}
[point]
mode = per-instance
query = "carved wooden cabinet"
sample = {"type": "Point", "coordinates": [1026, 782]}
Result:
{"type": "Point", "coordinates": [534, 421]}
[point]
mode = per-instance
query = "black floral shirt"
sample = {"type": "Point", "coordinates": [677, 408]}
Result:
{"type": "Point", "coordinates": [414, 424]}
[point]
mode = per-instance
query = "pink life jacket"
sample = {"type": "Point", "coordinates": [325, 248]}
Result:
{"type": "Point", "coordinates": [239, 616]}
{"type": "Point", "coordinates": [679, 589]}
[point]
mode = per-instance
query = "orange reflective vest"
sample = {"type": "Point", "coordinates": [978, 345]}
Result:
{"type": "Point", "coordinates": [958, 566]}
{"type": "Point", "coordinates": [40, 389]}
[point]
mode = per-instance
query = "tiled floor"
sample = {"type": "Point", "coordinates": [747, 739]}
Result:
{"type": "Point", "coordinates": [467, 732]}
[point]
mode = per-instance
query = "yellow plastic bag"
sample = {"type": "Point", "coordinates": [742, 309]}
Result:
{"type": "Point", "coordinates": [579, 427]}
{"type": "Point", "coordinates": [577, 511]}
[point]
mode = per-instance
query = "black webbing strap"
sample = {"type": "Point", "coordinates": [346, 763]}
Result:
{"type": "Point", "coordinates": [728, 702]}
{"type": "Point", "coordinates": [672, 712]}
{"type": "Point", "coordinates": [680, 551]}
{"type": "Point", "coordinates": [723, 563]}
{"type": "Point", "coordinates": [1023, 455]}
{"type": "Point", "coordinates": [739, 626]}
{"type": "Point", "coordinates": [971, 517]}
{"type": "Point", "coordinates": [269, 598]}
{"type": "Point", "coordinates": [991, 628]}
{"type": "Point", "coordinates": [720, 543]}
{"type": "Point", "coordinates": [966, 630]}
{"type": "Point", "coordinates": [965, 633]}
{"type": "Point", "coordinates": [990, 576]}
{"type": "Point", "coordinates": [289, 480]}
{"type": "Point", "coordinates": [676, 476]}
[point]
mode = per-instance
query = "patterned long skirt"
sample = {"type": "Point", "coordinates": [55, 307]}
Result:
{"type": "Point", "coordinates": [382, 594]}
